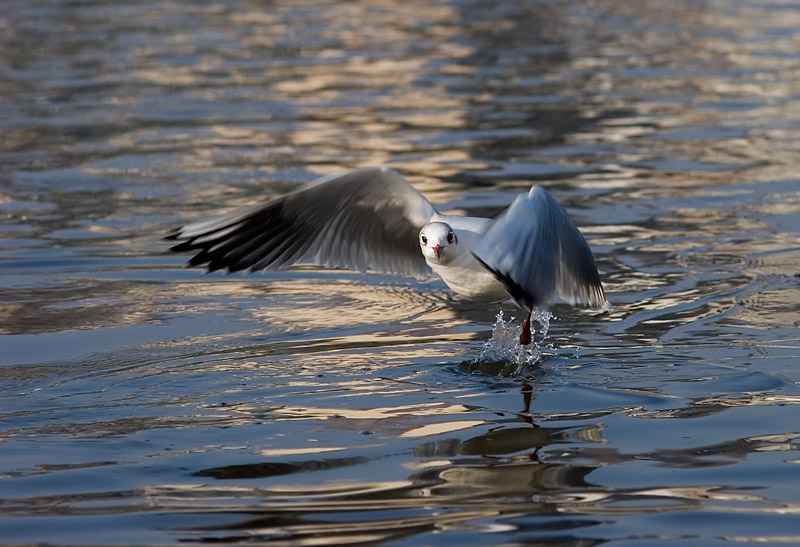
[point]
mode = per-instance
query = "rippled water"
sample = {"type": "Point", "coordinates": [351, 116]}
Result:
{"type": "Point", "coordinates": [144, 403]}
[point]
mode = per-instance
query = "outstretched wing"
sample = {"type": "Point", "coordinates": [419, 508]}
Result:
{"type": "Point", "coordinates": [537, 252]}
{"type": "Point", "coordinates": [359, 219]}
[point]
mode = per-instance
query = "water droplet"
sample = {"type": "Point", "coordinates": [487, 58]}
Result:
{"type": "Point", "coordinates": [504, 344]}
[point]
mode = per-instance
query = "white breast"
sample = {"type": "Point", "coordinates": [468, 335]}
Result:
{"type": "Point", "coordinates": [472, 280]}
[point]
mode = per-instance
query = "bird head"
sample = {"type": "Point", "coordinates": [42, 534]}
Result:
{"type": "Point", "coordinates": [438, 243]}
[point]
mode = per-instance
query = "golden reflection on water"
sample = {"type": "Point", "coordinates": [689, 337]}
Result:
{"type": "Point", "coordinates": [301, 451]}
{"type": "Point", "coordinates": [439, 428]}
{"type": "Point", "coordinates": [428, 409]}
{"type": "Point", "coordinates": [308, 306]}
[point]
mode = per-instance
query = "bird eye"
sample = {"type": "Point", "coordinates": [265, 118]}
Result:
{"type": "Point", "coordinates": [424, 240]}
{"type": "Point", "coordinates": [451, 237]}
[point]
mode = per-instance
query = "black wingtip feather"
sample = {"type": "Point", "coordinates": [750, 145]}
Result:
{"type": "Point", "coordinates": [520, 295]}
{"type": "Point", "coordinates": [182, 247]}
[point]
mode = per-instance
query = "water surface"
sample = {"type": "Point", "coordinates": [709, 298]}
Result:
{"type": "Point", "coordinates": [145, 403]}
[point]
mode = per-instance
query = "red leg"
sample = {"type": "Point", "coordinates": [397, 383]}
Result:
{"type": "Point", "coordinates": [525, 335]}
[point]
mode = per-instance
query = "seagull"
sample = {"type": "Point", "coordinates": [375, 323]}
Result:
{"type": "Point", "coordinates": [374, 219]}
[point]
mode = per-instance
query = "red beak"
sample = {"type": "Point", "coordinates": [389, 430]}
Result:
{"type": "Point", "coordinates": [437, 249]}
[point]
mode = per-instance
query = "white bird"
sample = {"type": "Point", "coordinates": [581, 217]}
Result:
{"type": "Point", "coordinates": [374, 219]}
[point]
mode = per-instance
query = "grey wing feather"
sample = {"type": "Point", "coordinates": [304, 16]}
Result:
{"type": "Point", "coordinates": [538, 253]}
{"type": "Point", "coordinates": [359, 219]}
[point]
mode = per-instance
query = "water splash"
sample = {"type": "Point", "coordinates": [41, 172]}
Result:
{"type": "Point", "coordinates": [504, 347]}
